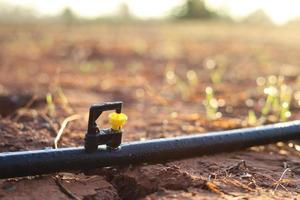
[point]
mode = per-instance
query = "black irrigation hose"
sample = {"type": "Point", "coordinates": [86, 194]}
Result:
{"type": "Point", "coordinates": [16, 164]}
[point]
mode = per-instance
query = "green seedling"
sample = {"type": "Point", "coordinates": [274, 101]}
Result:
{"type": "Point", "coordinates": [186, 87]}
{"type": "Point", "coordinates": [278, 99]}
{"type": "Point", "coordinates": [297, 92]}
{"type": "Point", "coordinates": [185, 91]}
{"type": "Point", "coordinates": [173, 80]}
{"type": "Point", "coordinates": [285, 101]}
{"type": "Point", "coordinates": [216, 70]}
{"type": "Point", "coordinates": [211, 105]}
{"type": "Point", "coordinates": [189, 87]}
{"type": "Point", "coordinates": [216, 76]}
{"type": "Point", "coordinates": [192, 78]}
{"type": "Point", "coordinates": [170, 76]}
{"type": "Point", "coordinates": [63, 100]}
{"type": "Point", "coordinates": [50, 104]}
{"type": "Point", "coordinates": [297, 97]}
{"type": "Point", "coordinates": [252, 119]}
{"type": "Point", "coordinates": [272, 101]}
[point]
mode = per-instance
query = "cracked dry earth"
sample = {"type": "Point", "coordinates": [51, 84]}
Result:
{"type": "Point", "coordinates": [129, 65]}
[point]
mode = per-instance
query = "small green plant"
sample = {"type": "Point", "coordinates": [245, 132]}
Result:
{"type": "Point", "coordinates": [192, 78]}
{"type": "Point", "coordinates": [252, 119]}
{"type": "Point", "coordinates": [285, 101]}
{"type": "Point", "coordinates": [63, 100]}
{"type": "Point", "coordinates": [170, 75]}
{"type": "Point", "coordinates": [186, 87]}
{"type": "Point", "coordinates": [211, 105]}
{"type": "Point", "coordinates": [279, 96]}
{"type": "Point", "coordinates": [50, 104]}
{"type": "Point", "coordinates": [183, 88]}
{"type": "Point", "coordinates": [216, 69]}
{"type": "Point", "coordinates": [272, 101]}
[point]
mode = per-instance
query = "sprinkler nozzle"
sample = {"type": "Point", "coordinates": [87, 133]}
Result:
{"type": "Point", "coordinates": [117, 120]}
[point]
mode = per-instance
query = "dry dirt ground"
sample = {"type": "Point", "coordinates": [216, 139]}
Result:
{"type": "Point", "coordinates": [80, 65]}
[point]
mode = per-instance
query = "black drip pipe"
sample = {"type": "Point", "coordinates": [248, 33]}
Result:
{"type": "Point", "coordinates": [17, 164]}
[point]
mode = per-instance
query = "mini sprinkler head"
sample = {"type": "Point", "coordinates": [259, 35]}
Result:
{"type": "Point", "coordinates": [111, 137]}
{"type": "Point", "coordinates": [117, 121]}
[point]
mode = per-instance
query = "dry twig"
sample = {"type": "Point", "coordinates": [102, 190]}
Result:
{"type": "Point", "coordinates": [63, 126]}
{"type": "Point", "coordinates": [65, 190]}
{"type": "Point", "coordinates": [280, 179]}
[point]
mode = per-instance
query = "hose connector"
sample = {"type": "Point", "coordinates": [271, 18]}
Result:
{"type": "Point", "coordinates": [117, 120]}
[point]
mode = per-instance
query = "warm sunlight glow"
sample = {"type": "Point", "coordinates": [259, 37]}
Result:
{"type": "Point", "coordinates": [280, 10]}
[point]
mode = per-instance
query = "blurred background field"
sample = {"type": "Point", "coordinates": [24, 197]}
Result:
{"type": "Point", "coordinates": [180, 67]}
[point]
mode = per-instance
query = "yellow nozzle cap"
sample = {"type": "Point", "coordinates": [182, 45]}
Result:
{"type": "Point", "coordinates": [117, 120]}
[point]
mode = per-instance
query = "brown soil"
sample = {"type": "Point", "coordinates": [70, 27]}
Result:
{"type": "Point", "coordinates": [82, 65]}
